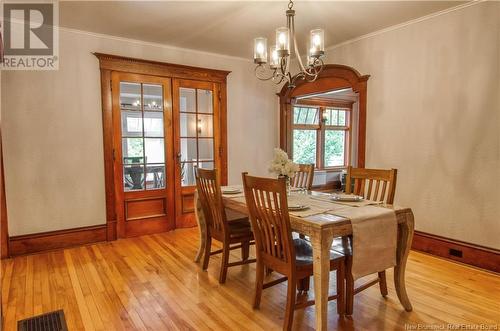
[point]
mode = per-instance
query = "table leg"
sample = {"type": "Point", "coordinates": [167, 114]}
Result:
{"type": "Point", "coordinates": [405, 236]}
{"type": "Point", "coordinates": [202, 227]}
{"type": "Point", "coordinates": [321, 243]}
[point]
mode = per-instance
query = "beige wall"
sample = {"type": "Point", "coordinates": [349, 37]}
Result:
{"type": "Point", "coordinates": [52, 128]}
{"type": "Point", "coordinates": [434, 114]}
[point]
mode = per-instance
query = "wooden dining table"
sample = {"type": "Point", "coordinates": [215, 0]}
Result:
{"type": "Point", "coordinates": [321, 229]}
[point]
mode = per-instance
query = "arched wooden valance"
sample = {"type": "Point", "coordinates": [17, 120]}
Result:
{"type": "Point", "coordinates": [332, 77]}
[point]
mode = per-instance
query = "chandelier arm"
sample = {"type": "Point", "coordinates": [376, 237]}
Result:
{"type": "Point", "coordinates": [260, 77]}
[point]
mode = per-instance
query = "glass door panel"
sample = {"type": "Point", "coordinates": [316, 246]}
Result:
{"type": "Point", "coordinates": [143, 154]}
{"type": "Point", "coordinates": [143, 141]}
{"type": "Point", "coordinates": [196, 128]}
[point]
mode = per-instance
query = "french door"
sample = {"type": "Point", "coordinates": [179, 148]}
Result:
{"type": "Point", "coordinates": [143, 154]}
{"type": "Point", "coordinates": [197, 137]}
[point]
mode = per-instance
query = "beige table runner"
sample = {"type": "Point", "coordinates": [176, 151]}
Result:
{"type": "Point", "coordinates": [361, 203]}
{"type": "Point", "coordinates": [315, 206]}
{"type": "Point", "coordinates": [374, 233]}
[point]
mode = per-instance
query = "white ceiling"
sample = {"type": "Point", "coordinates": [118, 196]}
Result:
{"type": "Point", "coordinates": [228, 27]}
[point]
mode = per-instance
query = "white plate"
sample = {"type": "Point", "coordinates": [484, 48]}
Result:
{"type": "Point", "coordinates": [295, 207]}
{"type": "Point", "coordinates": [347, 197]}
{"type": "Point", "coordinates": [231, 191]}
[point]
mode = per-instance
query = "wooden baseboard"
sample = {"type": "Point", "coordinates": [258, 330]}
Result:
{"type": "Point", "coordinates": [475, 255]}
{"type": "Point", "coordinates": [39, 242]}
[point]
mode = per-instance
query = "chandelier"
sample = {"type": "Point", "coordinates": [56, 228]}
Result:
{"type": "Point", "coordinates": [280, 54]}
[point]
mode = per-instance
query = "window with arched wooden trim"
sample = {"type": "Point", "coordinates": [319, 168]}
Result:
{"type": "Point", "coordinates": [334, 77]}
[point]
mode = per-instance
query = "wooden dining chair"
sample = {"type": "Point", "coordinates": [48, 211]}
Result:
{"type": "Point", "coordinates": [304, 177]}
{"type": "Point", "coordinates": [275, 247]}
{"type": "Point", "coordinates": [372, 184]}
{"type": "Point", "coordinates": [228, 227]}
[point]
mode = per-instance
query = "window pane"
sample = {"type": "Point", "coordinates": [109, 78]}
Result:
{"type": "Point", "coordinates": [205, 126]}
{"type": "Point", "coordinates": [188, 125]}
{"type": "Point", "coordinates": [303, 115]}
{"type": "Point", "coordinates": [334, 148]}
{"type": "Point", "coordinates": [155, 176]}
{"type": "Point", "coordinates": [342, 117]}
{"type": "Point", "coordinates": [130, 96]}
{"type": "Point", "coordinates": [206, 149]}
{"type": "Point", "coordinates": [188, 149]}
{"type": "Point", "coordinates": [131, 123]}
{"type": "Point", "coordinates": [304, 146]}
{"type": "Point", "coordinates": [153, 97]}
{"type": "Point", "coordinates": [132, 150]}
{"type": "Point", "coordinates": [187, 100]}
{"type": "Point", "coordinates": [133, 177]}
{"type": "Point", "coordinates": [205, 101]}
{"type": "Point", "coordinates": [187, 174]}
{"type": "Point", "coordinates": [153, 124]}
{"type": "Point", "coordinates": [155, 150]}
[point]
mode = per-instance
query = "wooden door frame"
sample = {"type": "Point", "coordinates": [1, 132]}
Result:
{"type": "Point", "coordinates": [4, 236]}
{"type": "Point", "coordinates": [109, 63]}
{"type": "Point", "coordinates": [332, 77]}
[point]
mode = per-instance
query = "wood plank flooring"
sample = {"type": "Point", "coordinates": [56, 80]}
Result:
{"type": "Point", "coordinates": [152, 283]}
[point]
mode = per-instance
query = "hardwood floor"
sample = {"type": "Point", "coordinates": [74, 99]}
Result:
{"type": "Point", "coordinates": [152, 283]}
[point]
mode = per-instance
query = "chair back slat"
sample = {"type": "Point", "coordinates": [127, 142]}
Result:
{"type": "Point", "coordinates": [208, 186]}
{"type": "Point", "coordinates": [304, 177]}
{"type": "Point", "coordinates": [268, 209]}
{"type": "Point", "coordinates": [360, 181]}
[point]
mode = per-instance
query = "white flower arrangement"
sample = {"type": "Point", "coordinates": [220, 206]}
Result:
{"type": "Point", "coordinates": [281, 165]}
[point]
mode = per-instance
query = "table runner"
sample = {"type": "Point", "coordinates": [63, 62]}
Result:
{"type": "Point", "coordinates": [374, 238]}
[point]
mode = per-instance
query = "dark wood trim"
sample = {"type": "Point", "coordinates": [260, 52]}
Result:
{"type": "Point", "coordinates": [326, 102]}
{"type": "Point", "coordinates": [147, 67]}
{"type": "Point", "coordinates": [39, 242]}
{"type": "Point", "coordinates": [333, 77]}
{"type": "Point", "coordinates": [4, 227]}
{"type": "Point", "coordinates": [475, 255]}
{"type": "Point", "coordinates": [107, 132]}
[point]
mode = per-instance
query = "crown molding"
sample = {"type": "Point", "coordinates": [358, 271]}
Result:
{"type": "Point", "coordinates": [405, 24]}
{"type": "Point", "coordinates": [153, 44]}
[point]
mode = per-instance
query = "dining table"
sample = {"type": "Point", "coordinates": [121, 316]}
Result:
{"type": "Point", "coordinates": [321, 228]}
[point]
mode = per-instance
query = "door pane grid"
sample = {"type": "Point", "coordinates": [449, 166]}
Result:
{"type": "Point", "coordinates": [143, 142]}
{"type": "Point", "coordinates": [196, 132]}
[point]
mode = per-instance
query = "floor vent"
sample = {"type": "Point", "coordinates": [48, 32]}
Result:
{"type": "Point", "coordinates": [53, 321]}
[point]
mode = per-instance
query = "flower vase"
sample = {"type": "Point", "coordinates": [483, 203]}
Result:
{"type": "Point", "coordinates": [288, 184]}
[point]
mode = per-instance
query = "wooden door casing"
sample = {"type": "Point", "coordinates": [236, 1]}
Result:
{"type": "Point", "coordinates": [184, 195]}
{"type": "Point", "coordinates": [146, 211]}
{"type": "Point", "coordinates": [108, 65]}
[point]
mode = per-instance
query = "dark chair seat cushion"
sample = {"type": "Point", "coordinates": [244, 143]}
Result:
{"type": "Point", "coordinates": [304, 253]}
{"type": "Point", "coordinates": [234, 216]}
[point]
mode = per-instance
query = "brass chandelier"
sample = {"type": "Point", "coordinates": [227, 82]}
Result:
{"type": "Point", "coordinates": [280, 54]}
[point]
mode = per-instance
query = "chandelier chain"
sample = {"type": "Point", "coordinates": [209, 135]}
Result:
{"type": "Point", "coordinates": [290, 5]}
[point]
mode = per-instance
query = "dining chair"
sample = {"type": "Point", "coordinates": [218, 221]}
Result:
{"type": "Point", "coordinates": [376, 185]}
{"type": "Point", "coordinates": [228, 227]}
{"type": "Point", "coordinates": [304, 177]}
{"type": "Point", "coordinates": [276, 249]}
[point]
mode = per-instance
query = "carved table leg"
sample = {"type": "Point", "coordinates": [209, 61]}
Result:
{"type": "Point", "coordinates": [321, 242]}
{"type": "Point", "coordinates": [405, 236]}
{"type": "Point", "coordinates": [202, 227]}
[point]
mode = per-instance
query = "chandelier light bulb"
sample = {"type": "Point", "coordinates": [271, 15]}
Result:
{"type": "Point", "coordinates": [260, 50]}
{"type": "Point", "coordinates": [317, 42]}
{"type": "Point", "coordinates": [283, 41]}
